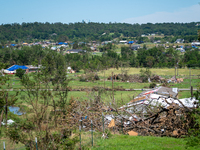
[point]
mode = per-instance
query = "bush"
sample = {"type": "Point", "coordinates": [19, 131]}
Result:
{"type": "Point", "coordinates": [89, 77]}
{"type": "Point", "coordinates": [152, 85]}
{"type": "Point", "coordinates": [20, 72]}
{"type": "Point", "coordinates": [144, 75]}
{"type": "Point", "coordinates": [193, 139]}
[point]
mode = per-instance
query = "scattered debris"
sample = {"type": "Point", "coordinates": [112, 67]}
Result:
{"type": "Point", "coordinates": [132, 133]}
{"type": "Point", "coordinates": [111, 124]}
{"type": "Point", "coordinates": [9, 122]}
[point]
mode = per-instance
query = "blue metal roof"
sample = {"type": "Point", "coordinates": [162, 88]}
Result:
{"type": "Point", "coordinates": [15, 67]}
{"type": "Point", "coordinates": [130, 42]}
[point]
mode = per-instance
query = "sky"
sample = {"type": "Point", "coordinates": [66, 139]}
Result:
{"type": "Point", "coordinates": [102, 11]}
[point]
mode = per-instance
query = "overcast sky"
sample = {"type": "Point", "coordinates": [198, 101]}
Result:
{"type": "Point", "coordinates": [129, 11]}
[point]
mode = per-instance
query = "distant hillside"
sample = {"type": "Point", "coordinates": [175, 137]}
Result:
{"type": "Point", "coordinates": [90, 31]}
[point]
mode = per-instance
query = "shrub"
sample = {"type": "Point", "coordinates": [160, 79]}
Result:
{"type": "Point", "coordinates": [20, 72]}
{"type": "Point", "coordinates": [89, 77]}
{"type": "Point", "coordinates": [193, 139]}
{"type": "Point", "coordinates": [145, 74]}
{"type": "Point", "coordinates": [152, 85]}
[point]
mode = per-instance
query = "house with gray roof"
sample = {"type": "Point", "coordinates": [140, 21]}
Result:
{"type": "Point", "coordinates": [70, 51]}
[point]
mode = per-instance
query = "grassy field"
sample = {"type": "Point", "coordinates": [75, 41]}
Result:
{"type": "Point", "coordinates": [121, 97]}
{"type": "Point", "coordinates": [126, 142]}
{"type": "Point", "coordinates": [158, 71]}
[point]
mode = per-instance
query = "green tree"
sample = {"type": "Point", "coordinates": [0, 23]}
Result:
{"type": "Point", "coordinates": [150, 61]}
{"type": "Point", "coordinates": [44, 123]}
{"type": "Point", "coordinates": [19, 73]}
{"type": "Point", "coordinates": [75, 45]}
{"type": "Point", "coordinates": [193, 139]}
{"type": "Point", "coordinates": [62, 38]}
{"type": "Point", "coordinates": [6, 99]}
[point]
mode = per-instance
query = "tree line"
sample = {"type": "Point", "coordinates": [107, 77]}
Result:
{"type": "Point", "coordinates": [156, 57]}
{"type": "Point", "coordinates": [91, 31]}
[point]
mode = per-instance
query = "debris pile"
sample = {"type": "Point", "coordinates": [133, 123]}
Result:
{"type": "Point", "coordinates": [83, 112]}
{"type": "Point", "coordinates": [125, 78]}
{"type": "Point", "coordinates": [157, 78]}
{"type": "Point", "coordinates": [175, 80]}
{"type": "Point", "coordinates": [157, 112]}
{"type": "Point", "coordinates": [158, 120]}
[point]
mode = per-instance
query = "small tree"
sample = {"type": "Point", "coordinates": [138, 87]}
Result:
{"type": "Point", "coordinates": [193, 140]}
{"type": "Point", "coordinates": [145, 74]}
{"type": "Point", "coordinates": [5, 98]}
{"type": "Point", "coordinates": [20, 72]}
{"type": "Point", "coordinates": [49, 118]}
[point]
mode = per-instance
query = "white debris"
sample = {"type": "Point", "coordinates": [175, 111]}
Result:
{"type": "Point", "coordinates": [9, 122]}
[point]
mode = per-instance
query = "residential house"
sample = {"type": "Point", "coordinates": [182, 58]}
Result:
{"type": "Point", "coordinates": [179, 41]}
{"type": "Point", "coordinates": [135, 47]}
{"type": "Point", "coordinates": [75, 51]}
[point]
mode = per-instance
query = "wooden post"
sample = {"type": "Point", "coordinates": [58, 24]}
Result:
{"type": "Point", "coordinates": [80, 135]}
{"type": "Point", "coordinates": [103, 122]}
{"type": "Point", "coordinates": [113, 89]}
{"type": "Point", "coordinates": [177, 69]}
{"type": "Point", "coordinates": [191, 90]}
{"type": "Point", "coordinates": [190, 78]}
{"type": "Point", "coordinates": [104, 79]}
{"type": "Point", "coordinates": [6, 108]}
{"type": "Point", "coordinates": [92, 132]}
{"type": "Point", "coordinates": [175, 73]}
{"type": "Point", "coordinates": [121, 99]}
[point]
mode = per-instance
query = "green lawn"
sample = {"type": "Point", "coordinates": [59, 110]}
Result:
{"type": "Point", "coordinates": [11, 145]}
{"type": "Point", "coordinates": [76, 84]}
{"type": "Point", "coordinates": [126, 142]}
{"type": "Point", "coordinates": [121, 97]}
